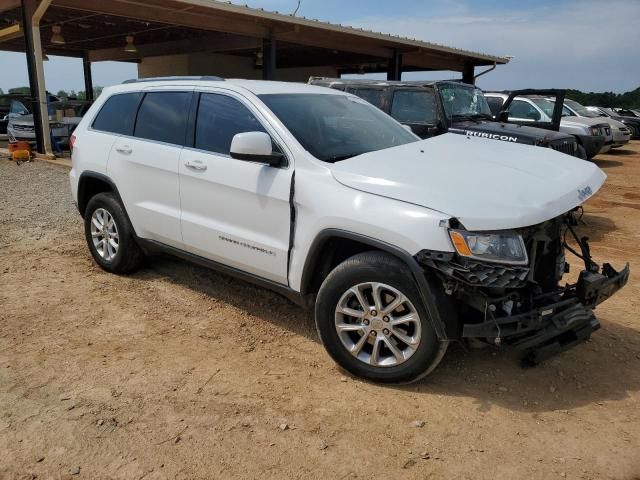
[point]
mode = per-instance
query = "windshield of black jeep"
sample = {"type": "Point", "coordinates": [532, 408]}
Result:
{"type": "Point", "coordinates": [336, 127]}
{"type": "Point", "coordinates": [462, 101]}
{"type": "Point", "coordinates": [579, 109]}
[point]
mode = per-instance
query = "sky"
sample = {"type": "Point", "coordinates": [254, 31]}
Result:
{"type": "Point", "coordinates": [590, 45]}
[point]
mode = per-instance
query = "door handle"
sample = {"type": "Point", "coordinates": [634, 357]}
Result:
{"type": "Point", "coordinates": [195, 165]}
{"type": "Point", "coordinates": [125, 150]}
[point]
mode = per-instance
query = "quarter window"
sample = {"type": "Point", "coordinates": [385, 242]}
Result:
{"type": "Point", "coordinates": [163, 117]}
{"type": "Point", "coordinates": [118, 114]}
{"type": "Point", "coordinates": [413, 106]}
{"type": "Point", "coordinates": [220, 118]}
{"type": "Point", "coordinates": [495, 103]}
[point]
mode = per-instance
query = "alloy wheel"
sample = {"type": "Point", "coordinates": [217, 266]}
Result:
{"type": "Point", "coordinates": [378, 324]}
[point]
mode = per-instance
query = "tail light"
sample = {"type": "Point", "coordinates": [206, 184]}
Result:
{"type": "Point", "coordinates": [72, 141]}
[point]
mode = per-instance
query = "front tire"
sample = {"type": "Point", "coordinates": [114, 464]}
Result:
{"type": "Point", "coordinates": [110, 236]}
{"type": "Point", "coordinates": [371, 320]}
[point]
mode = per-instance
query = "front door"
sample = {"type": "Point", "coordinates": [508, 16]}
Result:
{"type": "Point", "coordinates": [234, 212]}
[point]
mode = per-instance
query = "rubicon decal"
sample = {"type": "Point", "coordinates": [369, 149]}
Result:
{"type": "Point", "coordinates": [492, 136]}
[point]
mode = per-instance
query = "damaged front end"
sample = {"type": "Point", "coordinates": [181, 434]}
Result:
{"type": "Point", "coordinates": [523, 305]}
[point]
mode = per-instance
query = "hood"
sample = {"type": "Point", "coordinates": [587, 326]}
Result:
{"type": "Point", "coordinates": [615, 123]}
{"type": "Point", "coordinates": [26, 120]}
{"type": "Point", "coordinates": [580, 121]}
{"type": "Point", "coordinates": [509, 132]}
{"type": "Point", "coordinates": [485, 186]}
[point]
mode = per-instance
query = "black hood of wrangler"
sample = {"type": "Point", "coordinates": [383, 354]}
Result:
{"type": "Point", "coordinates": [507, 132]}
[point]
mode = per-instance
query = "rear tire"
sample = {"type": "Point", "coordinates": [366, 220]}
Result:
{"type": "Point", "coordinates": [353, 322]}
{"type": "Point", "coordinates": [110, 236]}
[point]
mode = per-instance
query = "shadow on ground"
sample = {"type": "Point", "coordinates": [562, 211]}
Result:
{"type": "Point", "coordinates": [602, 370]}
{"type": "Point", "coordinates": [604, 164]}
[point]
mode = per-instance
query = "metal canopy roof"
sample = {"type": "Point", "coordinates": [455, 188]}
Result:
{"type": "Point", "coordinates": [165, 27]}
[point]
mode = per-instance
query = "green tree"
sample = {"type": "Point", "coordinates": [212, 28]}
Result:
{"type": "Point", "coordinates": [607, 99]}
{"type": "Point", "coordinates": [20, 91]}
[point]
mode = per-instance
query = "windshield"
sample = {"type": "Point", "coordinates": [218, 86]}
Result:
{"type": "Point", "coordinates": [545, 105]}
{"type": "Point", "coordinates": [579, 109]}
{"type": "Point", "coordinates": [463, 101]}
{"type": "Point", "coordinates": [336, 127]}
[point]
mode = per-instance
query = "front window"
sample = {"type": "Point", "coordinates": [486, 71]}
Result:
{"type": "Point", "coordinates": [463, 101]}
{"type": "Point", "coordinates": [18, 108]}
{"type": "Point", "coordinates": [546, 105]}
{"type": "Point", "coordinates": [336, 127]}
{"type": "Point", "coordinates": [579, 109]}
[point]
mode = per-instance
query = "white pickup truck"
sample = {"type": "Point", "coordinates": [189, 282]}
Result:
{"type": "Point", "coordinates": [401, 246]}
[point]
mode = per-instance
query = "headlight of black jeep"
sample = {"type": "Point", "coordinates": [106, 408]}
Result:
{"type": "Point", "coordinates": [500, 247]}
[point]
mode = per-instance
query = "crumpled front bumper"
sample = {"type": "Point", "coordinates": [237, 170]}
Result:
{"type": "Point", "coordinates": [557, 320]}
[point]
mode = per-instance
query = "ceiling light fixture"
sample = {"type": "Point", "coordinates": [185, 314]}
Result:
{"type": "Point", "coordinates": [57, 38]}
{"type": "Point", "coordinates": [130, 47]}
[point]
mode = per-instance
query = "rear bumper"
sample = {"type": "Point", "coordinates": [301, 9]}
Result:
{"type": "Point", "coordinates": [557, 320]}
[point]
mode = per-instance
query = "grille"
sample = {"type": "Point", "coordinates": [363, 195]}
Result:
{"type": "Point", "coordinates": [486, 275]}
{"type": "Point", "coordinates": [566, 146]}
{"type": "Point", "coordinates": [23, 128]}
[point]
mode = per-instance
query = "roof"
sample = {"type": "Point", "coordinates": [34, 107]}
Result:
{"type": "Point", "coordinates": [337, 27]}
{"type": "Point", "coordinates": [382, 83]}
{"type": "Point", "coordinates": [257, 87]}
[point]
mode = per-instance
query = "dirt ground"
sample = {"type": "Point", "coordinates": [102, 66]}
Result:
{"type": "Point", "coordinates": [180, 372]}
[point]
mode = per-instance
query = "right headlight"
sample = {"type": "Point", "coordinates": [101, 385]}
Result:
{"type": "Point", "coordinates": [500, 247]}
{"type": "Point", "coordinates": [595, 130]}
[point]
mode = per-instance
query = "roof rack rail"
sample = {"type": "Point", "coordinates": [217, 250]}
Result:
{"type": "Point", "coordinates": [205, 78]}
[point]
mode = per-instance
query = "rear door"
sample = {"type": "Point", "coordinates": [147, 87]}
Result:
{"type": "Point", "coordinates": [234, 212]}
{"type": "Point", "coordinates": [144, 164]}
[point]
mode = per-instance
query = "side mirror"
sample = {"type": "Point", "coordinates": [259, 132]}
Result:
{"type": "Point", "coordinates": [255, 147]}
{"type": "Point", "coordinates": [503, 116]}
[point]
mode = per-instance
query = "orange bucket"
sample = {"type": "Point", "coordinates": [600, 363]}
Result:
{"type": "Point", "coordinates": [21, 156]}
{"type": "Point", "coordinates": [16, 146]}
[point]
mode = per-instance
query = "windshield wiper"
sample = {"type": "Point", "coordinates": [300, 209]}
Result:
{"type": "Point", "coordinates": [465, 117]}
{"type": "Point", "coordinates": [482, 115]}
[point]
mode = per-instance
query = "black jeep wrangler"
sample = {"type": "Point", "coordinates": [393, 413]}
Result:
{"type": "Point", "coordinates": [434, 108]}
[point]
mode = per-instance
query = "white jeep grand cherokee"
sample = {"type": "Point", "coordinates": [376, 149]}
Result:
{"type": "Point", "coordinates": [401, 246]}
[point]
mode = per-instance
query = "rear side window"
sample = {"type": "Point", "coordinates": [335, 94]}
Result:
{"type": "Point", "coordinates": [416, 106]}
{"type": "Point", "coordinates": [118, 114]}
{"type": "Point", "coordinates": [220, 118]}
{"type": "Point", "coordinates": [374, 96]}
{"type": "Point", "coordinates": [163, 117]}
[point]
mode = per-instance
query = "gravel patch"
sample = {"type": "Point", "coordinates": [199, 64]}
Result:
{"type": "Point", "coordinates": [35, 202]}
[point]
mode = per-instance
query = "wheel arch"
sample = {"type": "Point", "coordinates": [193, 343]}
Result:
{"type": "Point", "coordinates": [332, 246]}
{"type": "Point", "coordinates": [92, 183]}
